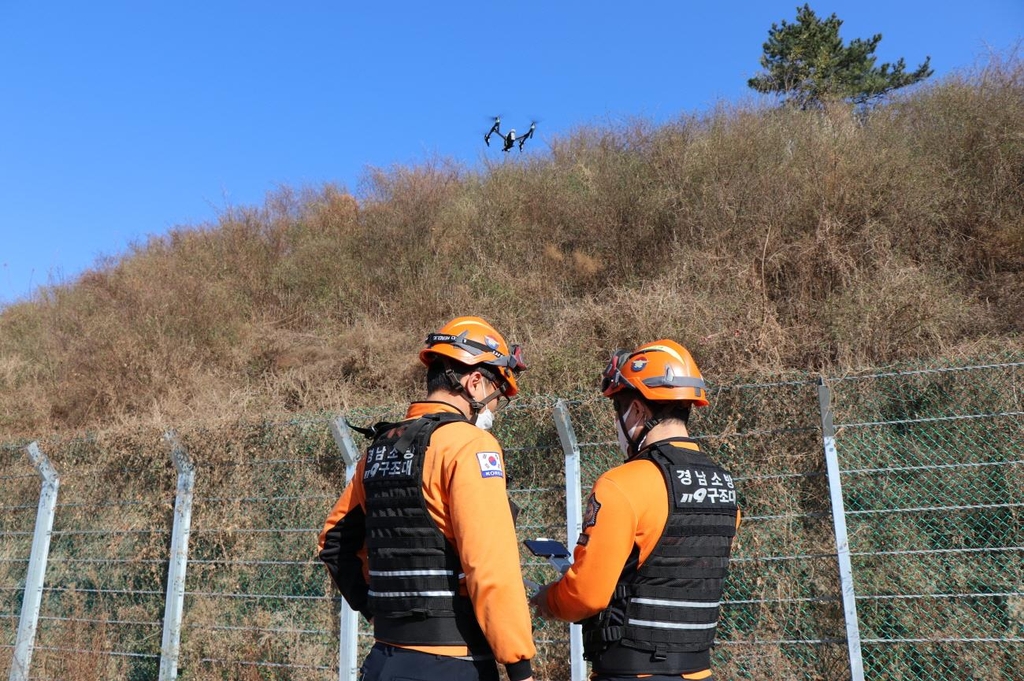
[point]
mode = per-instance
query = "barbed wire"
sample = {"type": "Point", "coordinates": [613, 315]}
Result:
{"type": "Point", "coordinates": [932, 509]}
{"type": "Point", "coordinates": [271, 665]}
{"type": "Point", "coordinates": [883, 597]}
{"type": "Point", "coordinates": [289, 597]}
{"type": "Point", "coordinates": [920, 372]}
{"type": "Point", "coordinates": [929, 419]}
{"type": "Point", "coordinates": [1008, 639]}
{"type": "Point", "coordinates": [110, 653]}
{"type": "Point", "coordinates": [938, 466]}
{"type": "Point", "coordinates": [781, 641]}
{"type": "Point", "coordinates": [997, 549]}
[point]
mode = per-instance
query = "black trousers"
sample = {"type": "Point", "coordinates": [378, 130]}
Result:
{"type": "Point", "coordinates": [388, 663]}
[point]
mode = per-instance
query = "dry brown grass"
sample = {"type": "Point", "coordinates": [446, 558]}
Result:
{"type": "Point", "coordinates": [763, 239]}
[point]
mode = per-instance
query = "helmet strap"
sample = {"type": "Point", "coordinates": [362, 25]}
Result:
{"type": "Point", "coordinates": [625, 431]}
{"type": "Point", "coordinates": [475, 406]}
{"type": "Point", "coordinates": [496, 393]}
{"type": "Point", "coordinates": [635, 443]}
{"type": "Point", "coordinates": [454, 384]}
{"type": "Point", "coordinates": [648, 427]}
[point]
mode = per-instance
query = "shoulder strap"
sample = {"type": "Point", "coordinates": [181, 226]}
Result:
{"type": "Point", "coordinates": [422, 428]}
{"type": "Point", "coordinates": [381, 427]}
{"type": "Point", "coordinates": [664, 450]}
{"type": "Point", "coordinates": [374, 431]}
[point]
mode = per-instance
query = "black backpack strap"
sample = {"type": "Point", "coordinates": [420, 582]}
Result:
{"type": "Point", "coordinates": [420, 430]}
{"type": "Point", "coordinates": [409, 436]}
{"type": "Point", "coordinates": [374, 431]}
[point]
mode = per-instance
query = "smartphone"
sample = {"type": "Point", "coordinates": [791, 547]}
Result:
{"type": "Point", "coordinates": [553, 550]}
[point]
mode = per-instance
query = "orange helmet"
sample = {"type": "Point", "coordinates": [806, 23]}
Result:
{"type": "Point", "coordinates": [660, 371]}
{"type": "Point", "coordinates": [472, 341]}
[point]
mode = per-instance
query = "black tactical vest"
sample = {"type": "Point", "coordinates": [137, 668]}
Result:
{"type": "Point", "coordinates": [662, 616]}
{"type": "Point", "coordinates": [414, 569]}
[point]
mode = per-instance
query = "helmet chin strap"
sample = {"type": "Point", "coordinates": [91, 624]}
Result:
{"type": "Point", "coordinates": [475, 406]}
{"type": "Point", "coordinates": [635, 443]}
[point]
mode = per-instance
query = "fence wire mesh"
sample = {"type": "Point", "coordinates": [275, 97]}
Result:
{"type": "Point", "coordinates": [102, 602]}
{"type": "Point", "coordinates": [255, 593]}
{"type": "Point", "coordinates": [931, 467]}
{"type": "Point", "coordinates": [781, 614]}
{"type": "Point", "coordinates": [536, 479]}
{"type": "Point", "coordinates": [20, 484]}
{"type": "Point", "coordinates": [932, 471]}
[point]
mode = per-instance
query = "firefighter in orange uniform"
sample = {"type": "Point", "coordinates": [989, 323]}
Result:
{"type": "Point", "coordinates": [647, 573]}
{"type": "Point", "coordinates": [422, 541]}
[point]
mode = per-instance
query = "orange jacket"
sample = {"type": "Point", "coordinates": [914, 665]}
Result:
{"type": "Point", "coordinates": [623, 510]}
{"type": "Point", "coordinates": [473, 512]}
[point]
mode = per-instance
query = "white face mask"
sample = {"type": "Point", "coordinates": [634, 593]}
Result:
{"type": "Point", "coordinates": [484, 419]}
{"type": "Point", "coordinates": [624, 443]}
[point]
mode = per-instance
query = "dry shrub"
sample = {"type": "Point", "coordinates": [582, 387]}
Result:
{"type": "Point", "coordinates": [908, 312]}
{"type": "Point", "coordinates": [966, 134]}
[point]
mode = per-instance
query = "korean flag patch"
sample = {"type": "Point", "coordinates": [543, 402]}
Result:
{"type": "Point", "coordinates": [490, 465]}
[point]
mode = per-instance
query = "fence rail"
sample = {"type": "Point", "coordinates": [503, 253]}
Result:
{"type": "Point", "coordinates": [881, 535]}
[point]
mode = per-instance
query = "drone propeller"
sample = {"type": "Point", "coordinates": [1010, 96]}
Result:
{"type": "Point", "coordinates": [495, 129]}
{"type": "Point", "coordinates": [527, 135]}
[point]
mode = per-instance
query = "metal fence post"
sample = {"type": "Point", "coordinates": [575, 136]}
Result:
{"type": "Point", "coordinates": [835, 488]}
{"type": "Point", "coordinates": [178, 559]}
{"type": "Point", "coordinates": [348, 648]}
{"type": "Point", "coordinates": [25, 643]}
{"type": "Point", "coordinates": [573, 520]}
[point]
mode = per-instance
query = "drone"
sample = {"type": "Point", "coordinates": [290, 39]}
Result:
{"type": "Point", "coordinates": [509, 139]}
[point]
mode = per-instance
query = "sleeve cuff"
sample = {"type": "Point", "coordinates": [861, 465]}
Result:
{"type": "Point", "coordinates": [517, 671]}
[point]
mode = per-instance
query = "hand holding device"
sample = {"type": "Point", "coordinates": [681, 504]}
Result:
{"type": "Point", "coordinates": [555, 551]}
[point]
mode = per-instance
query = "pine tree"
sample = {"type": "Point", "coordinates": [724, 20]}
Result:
{"type": "Point", "coordinates": [807, 64]}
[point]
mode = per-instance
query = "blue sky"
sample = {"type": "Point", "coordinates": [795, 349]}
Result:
{"type": "Point", "coordinates": [120, 120]}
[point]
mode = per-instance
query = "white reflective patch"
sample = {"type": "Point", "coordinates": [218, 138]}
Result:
{"type": "Point", "coordinates": [672, 625]}
{"type": "Point", "coordinates": [674, 604]}
{"type": "Point", "coordinates": [405, 594]}
{"type": "Point", "coordinates": [407, 573]}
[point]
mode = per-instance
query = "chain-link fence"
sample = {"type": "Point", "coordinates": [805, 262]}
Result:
{"type": "Point", "coordinates": [781, 616]}
{"type": "Point", "coordinates": [932, 471]}
{"type": "Point", "coordinates": [254, 590]}
{"type": "Point", "coordinates": [20, 485]}
{"type": "Point", "coordinates": [930, 462]}
{"type": "Point", "coordinates": [101, 605]}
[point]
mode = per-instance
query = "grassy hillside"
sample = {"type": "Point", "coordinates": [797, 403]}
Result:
{"type": "Point", "coordinates": [763, 239]}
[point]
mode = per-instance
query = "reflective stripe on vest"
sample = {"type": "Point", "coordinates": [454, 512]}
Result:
{"type": "Point", "coordinates": [672, 625]}
{"type": "Point", "coordinates": [414, 569]}
{"type": "Point", "coordinates": [663, 615]}
{"type": "Point", "coordinates": [408, 573]}
{"type": "Point", "coordinates": [676, 604]}
{"type": "Point", "coordinates": [404, 594]}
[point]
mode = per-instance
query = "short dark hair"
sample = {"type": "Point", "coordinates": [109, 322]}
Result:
{"type": "Point", "coordinates": [438, 377]}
